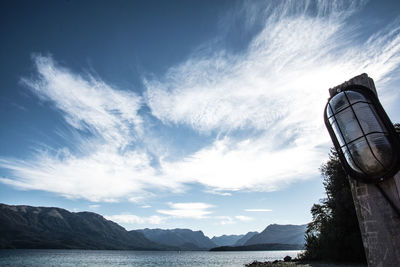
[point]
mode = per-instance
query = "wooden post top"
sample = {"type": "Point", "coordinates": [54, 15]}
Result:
{"type": "Point", "coordinates": [362, 79]}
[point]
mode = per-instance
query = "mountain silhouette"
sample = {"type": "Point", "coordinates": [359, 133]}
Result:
{"type": "Point", "coordinates": [41, 227]}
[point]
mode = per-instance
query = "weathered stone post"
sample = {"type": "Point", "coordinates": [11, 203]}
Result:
{"type": "Point", "coordinates": [379, 222]}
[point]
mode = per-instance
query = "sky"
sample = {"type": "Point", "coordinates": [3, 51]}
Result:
{"type": "Point", "coordinates": [205, 115]}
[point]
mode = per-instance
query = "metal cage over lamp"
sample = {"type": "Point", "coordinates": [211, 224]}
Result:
{"type": "Point", "coordinates": [365, 139]}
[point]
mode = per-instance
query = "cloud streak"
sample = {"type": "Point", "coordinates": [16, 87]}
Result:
{"type": "Point", "coordinates": [258, 210]}
{"type": "Point", "coordinates": [286, 66]}
{"type": "Point", "coordinates": [263, 105]}
{"type": "Point", "coordinates": [250, 164]}
{"type": "Point", "coordinates": [192, 210]}
{"type": "Point", "coordinates": [244, 218]}
{"type": "Point", "coordinates": [110, 164]}
{"type": "Point", "coordinates": [128, 218]}
{"type": "Point", "coordinates": [88, 103]}
{"type": "Point", "coordinates": [274, 91]}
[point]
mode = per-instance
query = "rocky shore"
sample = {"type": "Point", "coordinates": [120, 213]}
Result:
{"type": "Point", "coordinates": [300, 264]}
{"type": "Point", "coordinates": [288, 262]}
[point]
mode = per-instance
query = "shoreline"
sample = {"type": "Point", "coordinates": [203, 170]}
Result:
{"type": "Point", "coordinates": [302, 264]}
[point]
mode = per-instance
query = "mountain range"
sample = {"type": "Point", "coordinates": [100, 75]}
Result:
{"type": "Point", "coordinates": [281, 234]}
{"type": "Point", "coordinates": [226, 240]}
{"type": "Point", "coordinates": [39, 227]}
{"type": "Point", "coordinates": [184, 239]}
{"type": "Point", "coordinates": [49, 227]}
{"type": "Point", "coordinates": [242, 241]}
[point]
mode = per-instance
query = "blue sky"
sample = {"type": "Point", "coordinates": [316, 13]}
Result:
{"type": "Point", "coordinates": [193, 114]}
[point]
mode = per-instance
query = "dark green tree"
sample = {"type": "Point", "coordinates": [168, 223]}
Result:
{"type": "Point", "coordinates": [334, 233]}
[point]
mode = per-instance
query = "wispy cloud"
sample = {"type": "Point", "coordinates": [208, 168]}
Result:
{"type": "Point", "coordinates": [264, 106]}
{"type": "Point", "coordinates": [127, 218]}
{"type": "Point", "coordinates": [250, 164]}
{"type": "Point", "coordinates": [94, 207]}
{"type": "Point", "coordinates": [111, 164]}
{"type": "Point", "coordinates": [140, 198]}
{"type": "Point", "coordinates": [224, 220]}
{"type": "Point", "coordinates": [244, 218]}
{"type": "Point", "coordinates": [275, 91]}
{"type": "Point", "coordinates": [193, 210]}
{"type": "Point", "coordinates": [88, 103]}
{"type": "Point", "coordinates": [102, 175]}
{"type": "Point", "coordinates": [219, 193]}
{"type": "Point", "coordinates": [287, 66]}
{"type": "Point", "coordinates": [258, 210]}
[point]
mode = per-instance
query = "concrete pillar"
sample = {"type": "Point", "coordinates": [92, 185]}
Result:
{"type": "Point", "coordinates": [379, 222]}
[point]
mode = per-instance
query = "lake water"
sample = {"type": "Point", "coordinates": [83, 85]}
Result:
{"type": "Point", "coordinates": [100, 258]}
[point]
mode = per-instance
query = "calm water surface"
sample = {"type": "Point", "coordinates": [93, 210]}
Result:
{"type": "Point", "coordinates": [100, 258]}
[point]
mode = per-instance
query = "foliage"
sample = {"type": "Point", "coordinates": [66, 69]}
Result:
{"type": "Point", "coordinates": [334, 233]}
{"type": "Point", "coordinates": [397, 127]}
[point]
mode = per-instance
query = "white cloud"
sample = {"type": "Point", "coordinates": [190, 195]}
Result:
{"type": "Point", "coordinates": [88, 103]}
{"type": "Point", "coordinates": [244, 218]}
{"type": "Point", "coordinates": [249, 164]}
{"type": "Point", "coordinates": [277, 89]}
{"type": "Point", "coordinates": [94, 207]}
{"type": "Point", "coordinates": [225, 220]}
{"type": "Point", "coordinates": [142, 196]}
{"type": "Point", "coordinates": [127, 218]}
{"type": "Point", "coordinates": [100, 175]}
{"type": "Point", "coordinates": [193, 210]}
{"type": "Point", "coordinates": [219, 193]}
{"type": "Point", "coordinates": [265, 105]}
{"type": "Point", "coordinates": [285, 72]}
{"type": "Point", "coordinates": [110, 164]}
{"type": "Point", "coordinates": [258, 210]}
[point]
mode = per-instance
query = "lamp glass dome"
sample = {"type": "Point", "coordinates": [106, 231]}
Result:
{"type": "Point", "coordinates": [360, 134]}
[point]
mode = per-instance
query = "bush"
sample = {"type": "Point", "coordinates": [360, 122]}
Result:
{"type": "Point", "coordinates": [334, 233]}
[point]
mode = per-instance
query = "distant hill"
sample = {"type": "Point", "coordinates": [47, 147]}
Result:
{"type": "Point", "coordinates": [245, 238]}
{"type": "Point", "coordinates": [226, 240]}
{"type": "Point", "coordinates": [260, 247]}
{"type": "Point", "coordinates": [184, 239]}
{"type": "Point", "coordinates": [283, 234]}
{"type": "Point", "coordinates": [40, 227]}
{"type": "Point", "coordinates": [44, 227]}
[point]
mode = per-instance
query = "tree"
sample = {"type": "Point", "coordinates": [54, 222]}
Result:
{"type": "Point", "coordinates": [397, 127]}
{"type": "Point", "coordinates": [334, 232]}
